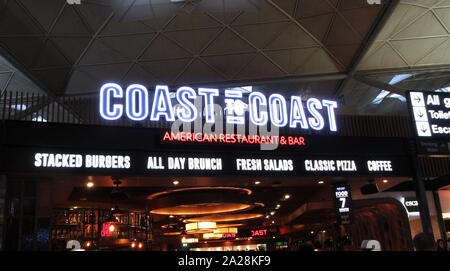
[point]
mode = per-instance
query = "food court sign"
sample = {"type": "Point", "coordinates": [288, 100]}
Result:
{"type": "Point", "coordinates": [187, 105]}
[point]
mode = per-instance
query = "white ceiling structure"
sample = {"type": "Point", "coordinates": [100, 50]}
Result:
{"type": "Point", "coordinates": [12, 79]}
{"type": "Point", "coordinates": [341, 48]}
{"type": "Point", "coordinates": [416, 35]}
{"type": "Point", "coordinates": [414, 42]}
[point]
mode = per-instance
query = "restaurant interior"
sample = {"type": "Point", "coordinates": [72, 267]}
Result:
{"type": "Point", "coordinates": [197, 213]}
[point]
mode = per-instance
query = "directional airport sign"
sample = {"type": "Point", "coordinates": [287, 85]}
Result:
{"type": "Point", "coordinates": [430, 113]}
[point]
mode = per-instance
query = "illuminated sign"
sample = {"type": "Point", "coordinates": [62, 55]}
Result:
{"type": "Point", "coordinates": [281, 245]}
{"type": "Point", "coordinates": [264, 165]}
{"type": "Point", "coordinates": [229, 235]}
{"type": "Point", "coordinates": [206, 163]}
{"type": "Point", "coordinates": [183, 163]}
{"type": "Point", "coordinates": [66, 160]}
{"type": "Point", "coordinates": [347, 165]}
{"type": "Point", "coordinates": [381, 166]}
{"type": "Point", "coordinates": [256, 233]}
{"type": "Point", "coordinates": [233, 138]}
{"type": "Point", "coordinates": [134, 103]}
{"type": "Point", "coordinates": [106, 230]}
{"type": "Point", "coordinates": [411, 204]}
{"type": "Point", "coordinates": [330, 165]}
{"type": "Point", "coordinates": [431, 113]}
{"type": "Point", "coordinates": [342, 202]}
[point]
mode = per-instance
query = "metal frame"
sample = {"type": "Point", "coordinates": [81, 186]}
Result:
{"type": "Point", "coordinates": [96, 35]}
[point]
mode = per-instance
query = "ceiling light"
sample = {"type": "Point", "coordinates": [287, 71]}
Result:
{"type": "Point", "coordinates": [229, 225]}
{"type": "Point", "coordinates": [267, 216]}
{"type": "Point", "coordinates": [90, 184]}
{"type": "Point", "coordinates": [185, 240]}
{"type": "Point", "coordinates": [171, 216]}
{"type": "Point", "coordinates": [320, 182]}
{"type": "Point", "coordinates": [201, 208]}
{"type": "Point", "coordinates": [287, 196]}
{"type": "Point", "coordinates": [75, 207]}
{"type": "Point", "coordinates": [226, 230]}
{"type": "Point", "coordinates": [273, 222]}
{"type": "Point", "coordinates": [225, 217]}
{"type": "Point", "coordinates": [385, 181]}
{"type": "Point", "coordinates": [272, 213]}
{"type": "Point", "coordinates": [257, 182]}
{"type": "Point", "coordinates": [176, 182]}
{"type": "Point", "coordinates": [212, 235]}
{"type": "Point", "coordinates": [278, 206]}
{"type": "Point", "coordinates": [198, 227]}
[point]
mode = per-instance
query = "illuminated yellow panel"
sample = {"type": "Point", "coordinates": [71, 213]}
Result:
{"type": "Point", "coordinates": [212, 235]}
{"type": "Point", "coordinates": [189, 240]}
{"type": "Point", "coordinates": [200, 226]}
{"type": "Point", "coordinates": [226, 230]}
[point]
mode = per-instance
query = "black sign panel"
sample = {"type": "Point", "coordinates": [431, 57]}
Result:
{"type": "Point", "coordinates": [411, 204]}
{"type": "Point", "coordinates": [342, 203]}
{"type": "Point", "coordinates": [430, 113]}
{"type": "Point", "coordinates": [100, 150]}
{"type": "Point", "coordinates": [58, 160]}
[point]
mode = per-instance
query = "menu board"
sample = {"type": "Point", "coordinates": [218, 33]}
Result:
{"type": "Point", "coordinates": [52, 160]}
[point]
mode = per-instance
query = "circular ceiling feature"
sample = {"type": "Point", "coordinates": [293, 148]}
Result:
{"type": "Point", "coordinates": [229, 225]}
{"type": "Point", "coordinates": [203, 188]}
{"type": "Point", "coordinates": [195, 201]}
{"type": "Point", "coordinates": [202, 209]}
{"type": "Point", "coordinates": [224, 218]}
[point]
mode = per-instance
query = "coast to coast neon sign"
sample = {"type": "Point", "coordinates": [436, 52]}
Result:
{"type": "Point", "coordinates": [134, 103]}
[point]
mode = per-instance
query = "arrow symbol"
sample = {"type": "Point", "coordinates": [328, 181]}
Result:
{"type": "Point", "coordinates": [424, 129]}
{"type": "Point", "coordinates": [420, 115]}
{"type": "Point", "coordinates": [417, 99]}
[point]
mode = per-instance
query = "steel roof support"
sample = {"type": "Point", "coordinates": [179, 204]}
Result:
{"type": "Point", "coordinates": [367, 43]}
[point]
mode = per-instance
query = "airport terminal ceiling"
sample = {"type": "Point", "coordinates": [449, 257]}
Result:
{"type": "Point", "coordinates": [366, 56]}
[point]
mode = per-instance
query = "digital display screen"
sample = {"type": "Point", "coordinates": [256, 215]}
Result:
{"type": "Point", "coordinates": [342, 202]}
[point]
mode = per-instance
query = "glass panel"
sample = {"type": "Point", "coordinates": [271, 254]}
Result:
{"type": "Point", "coordinates": [27, 233]}
{"type": "Point", "coordinates": [43, 233]}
